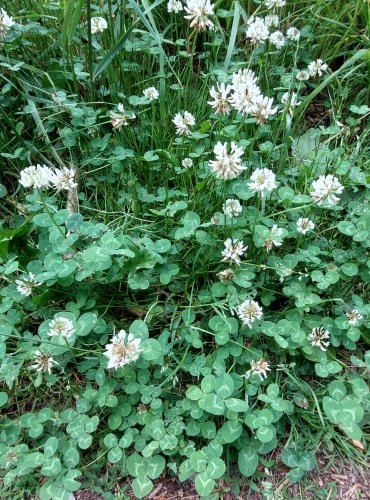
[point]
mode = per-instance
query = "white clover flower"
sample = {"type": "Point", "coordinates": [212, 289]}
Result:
{"type": "Point", "coordinates": [220, 94]}
{"type": "Point", "coordinates": [243, 77]}
{"type": "Point", "coordinates": [275, 239]}
{"type": "Point", "coordinates": [43, 362]}
{"type": "Point", "coordinates": [354, 317]}
{"type": "Point", "coordinates": [248, 311]}
{"type": "Point", "coordinates": [198, 12]}
{"type": "Point", "coordinates": [245, 97]}
{"type": "Point", "coordinates": [64, 179]}
{"type": "Point", "coordinates": [187, 163]}
{"type": "Point", "coordinates": [257, 31]}
{"type": "Point", "coordinates": [39, 177]}
{"type": "Point", "coordinates": [6, 22]}
{"type": "Point", "coordinates": [291, 100]}
{"type": "Point", "coordinates": [263, 109]}
{"type": "Point", "coordinates": [232, 208]}
{"type": "Point", "coordinates": [277, 39]}
{"type": "Point", "coordinates": [272, 20]}
{"type": "Point", "coordinates": [326, 187]}
{"type": "Point", "coordinates": [151, 93]}
{"type": "Point", "coordinates": [263, 180]}
{"type": "Point", "coordinates": [26, 283]}
{"type": "Point", "coordinates": [182, 122]}
{"type": "Point", "coordinates": [120, 118]}
{"type": "Point", "coordinates": [302, 76]}
{"type": "Point", "coordinates": [304, 225]}
{"type": "Point", "coordinates": [227, 165]}
{"type": "Point", "coordinates": [293, 34]}
{"type": "Point", "coordinates": [174, 6]}
{"type": "Point", "coordinates": [215, 220]}
{"type": "Point", "coordinates": [318, 337]}
{"type": "Point", "coordinates": [122, 350]}
{"type": "Point", "coordinates": [260, 368]}
{"type": "Point", "coordinates": [62, 327]}
{"type": "Point", "coordinates": [225, 275]}
{"type": "Point", "coordinates": [274, 4]}
{"type": "Point", "coordinates": [142, 409]}
{"type": "Point", "coordinates": [316, 68]}
{"type": "Point", "coordinates": [233, 250]}
{"type": "Point", "coordinates": [98, 25]}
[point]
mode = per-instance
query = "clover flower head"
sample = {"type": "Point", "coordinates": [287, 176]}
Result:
{"type": "Point", "coordinates": [304, 225]}
{"type": "Point", "coordinates": [233, 250]}
{"type": "Point", "coordinates": [187, 163]}
{"type": "Point", "coordinates": [98, 24]}
{"type": "Point", "coordinates": [174, 6]}
{"type": "Point", "coordinates": [232, 208]}
{"type": "Point", "coordinates": [122, 350]}
{"type": "Point", "coordinates": [293, 34]}
{"type": "Point", "coordinates": [36, 176]}
{"type": "Point", "coordinates": [220, 94]}
{"type": "Point", "coordinates": [354, 317]}
{"type": "Point", "coordinates": [302, 76]}
{"type": "Point", "coordinates": [6, 22]}
{"type": "Point", "coordinates": [151, 93]}
{"type": "Point", "coordinates": [64, 179]}
{"type": "Point", "coordinates": [257, 30]}
{"type": "Point", "coordinates": [263, 109]}
{"type": "Point", "coordinates": [317, 68]}
{"type": "Point", "coordinates": [119, 118]}
{"type": "Point", "coordinates": [198, 12]}
{"type": "Point", "coordinates": [228, 163]}
{"type": "Point", "coordinates": [225, 275]}
{"type": "Point", "coordinates": [183, 121]}
{"type": "Point", "coordinates": [249, 311]}
{"type": "Point", "coordinates": [262, 180]}
{"type": "Point", "coordinates": [243, 77]}
{"type": "Point", "coordinates": [274, 4]}
{"type": "Point", "coordinates": [43, 362]}
{"type": "Point", "coordinates": [260, 368]}
{"type": "Point", "coordinates": [272, 21]}
{"type": "Point", "coordinates": [61, 327]}
{"type": "Point", "coordinates": [325, 189]}
{"type": "Point", "coordinates": [245, 97]}
{"type": "Point", "coordinates": [277, 39]}
{"type": "Point", "coordinates": [26, 283]}
{"type": "Point", "coordinates": [318, 338]}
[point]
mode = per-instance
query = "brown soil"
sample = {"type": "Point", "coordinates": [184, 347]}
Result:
{"type": "Point", "coordinates": [336, 480]}
{"type": "Point", "coordinates": [317, 114]}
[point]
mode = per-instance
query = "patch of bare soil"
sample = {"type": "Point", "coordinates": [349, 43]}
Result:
{"type": "Point", "coordinates": [341, 482]}
{"type": "Point", "coordinates": [317, 114]}
{"type": "Point", "coordinates": [87, 495]}
{"type": "Point", "coordinates": [336, 480]}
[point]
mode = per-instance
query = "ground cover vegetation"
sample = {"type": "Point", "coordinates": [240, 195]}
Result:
{"type": "Point", "coordinates": [184, 243]}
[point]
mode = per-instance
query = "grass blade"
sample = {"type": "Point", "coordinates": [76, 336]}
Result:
{"type": "Point", "coordinates": [234, 31]}
{"type": "Point", "coordinates": [71, 18]}
{"type": "Point", "coordinates": [113, 52]}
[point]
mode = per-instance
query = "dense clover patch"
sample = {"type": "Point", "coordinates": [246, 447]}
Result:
{"type": "Point", "coordinates": [184, 272]}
